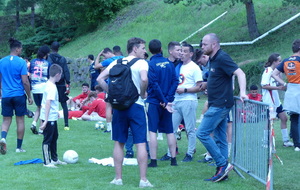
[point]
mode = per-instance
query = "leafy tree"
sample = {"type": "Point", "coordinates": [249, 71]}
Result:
{"type": "Point", "coordinates": [293, 2]}
{"type": "Point", "coordinates": [81, 11]}
{"type": "Point", "coordinates": [251, 18]}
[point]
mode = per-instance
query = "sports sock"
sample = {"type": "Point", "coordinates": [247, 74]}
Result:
{"type": "Point", "coordinates": [108, 126]}
{"type": "Point", "coordinates": [285, 136]}
{"type": "Point", "coordinates": [3, 134]}
{"type": "Point", "coordinates": [34, 123]}
{"type": "Point", "coordinates": [19, 143]}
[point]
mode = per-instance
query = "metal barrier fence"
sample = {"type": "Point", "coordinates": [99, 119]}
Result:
{"type": "Point", "coordinates": [251, 144]}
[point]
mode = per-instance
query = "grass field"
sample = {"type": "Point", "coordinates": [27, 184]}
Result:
{"type": "Point", "coordinates": [88, 142]}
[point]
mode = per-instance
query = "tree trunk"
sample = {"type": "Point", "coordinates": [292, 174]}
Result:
{"type": "Point", "coordinates": [32, 16]}
{"type": "Point", "coordinates": [18, 23]}
{"type": "Point", "coordinates": [251, 20]}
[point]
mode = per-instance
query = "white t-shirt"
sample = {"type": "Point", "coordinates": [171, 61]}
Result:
{"type": "Point", "coordinates": [270, 97]}
{"type": "Point", "coordinates": [50, 93]}
{"type": "Point", "coordinates": [138, 66]}
{"type": "Point", "coordinates": [189, 75]}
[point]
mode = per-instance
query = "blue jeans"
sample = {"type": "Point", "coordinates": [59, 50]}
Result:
{"type": "Point", "coordinates": [215, 121]}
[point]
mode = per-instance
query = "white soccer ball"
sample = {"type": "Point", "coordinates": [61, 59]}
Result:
{"type": "Point", "coordinates": [70, 156]}
{"type": "Point", "coordinates": [99, 125]}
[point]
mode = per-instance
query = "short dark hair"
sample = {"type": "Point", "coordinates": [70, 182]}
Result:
{"type": "Point", "coordinates": [106, 50]}
{"type": "Point", "coordinates": [85, 84]}
{"type": "Point", "coordinates": [43, 51]}
{"type": "Point", "coordinates": [253, 87]}
{"type": "Point", "coordinates": [13, 43]}
{"type": "Point", "coordinates": [55, 46]}
{"type": "Point", "coordinates": [134, 42]}
{"type": "Point", "coordinates": [185, 44]}
{"type": "Point", "coordinates": [172, 44]}
{"type": "Point", "coordinates": [98, 87]}
{"type": "Point", "coordinates": [155, 46]}
{"type": "Point", "coordinates": [296, 46]}
{"type": "Point", "coordinates": [54, 70]}
{"type": "Point", "coordinates": [197, 55]}
{"type": "Point", "coordinates": [91, 57]}
{"type": "Point", "coordinates": [117, 49]}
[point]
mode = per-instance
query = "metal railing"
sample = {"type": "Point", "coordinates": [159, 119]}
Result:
{"type": "Point", "coordinates": [251, 144]}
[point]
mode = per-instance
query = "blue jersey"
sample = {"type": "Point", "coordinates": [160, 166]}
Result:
{"type": "Point", "coordinates": [162, 80]}
{"type": "Point", "coordinates": [108, 61]}
{"type": "Point", "coordinates": [12, 68]}
{"type": "Point", "coordinates": [39, 74]}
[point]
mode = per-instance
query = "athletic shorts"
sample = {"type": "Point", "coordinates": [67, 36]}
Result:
{"type": "Point", "coordinates": [133, 117]}
{"type": "Point", "coordinates": [279, 110]}
{"type": "Point", "coordinates": [11, 104]}
{"type": "Point", "coordinates": [159, 119]}
{"type": "Point", "coordinates": [38, 99]}
{"type": "Point", "coordinates": [62, 97]}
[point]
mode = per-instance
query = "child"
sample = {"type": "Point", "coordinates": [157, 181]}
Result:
{"type": "Point", "coordinates": [254, 95]}
{"type": "Point", "coordinates": [49, 116]}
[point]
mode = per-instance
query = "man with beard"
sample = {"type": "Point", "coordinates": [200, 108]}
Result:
{"type": "Point", "coordinates": [220, 101]}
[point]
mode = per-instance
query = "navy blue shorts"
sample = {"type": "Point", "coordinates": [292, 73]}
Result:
{"type": "Point", "coordinates": [159, 119]}
{"type": "Point", "coordinates": [38, 99]}
{"type": "Point", "coordinates": [11, 104]}
{"type": "Point", "coordinates": [133, 117]}
{"type": "Point", "coordinates": [279, 110]}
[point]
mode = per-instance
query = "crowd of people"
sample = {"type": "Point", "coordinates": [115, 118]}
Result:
{"type": "Point", "coordinates": [167, 98]}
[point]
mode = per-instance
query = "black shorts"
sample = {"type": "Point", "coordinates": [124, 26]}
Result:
{"type": "Point", "coordinates": [62, 96]}
{"type": "Point", "coordinates": [38, 99]}
{"type": "Point", "coordinates": [11, 104]}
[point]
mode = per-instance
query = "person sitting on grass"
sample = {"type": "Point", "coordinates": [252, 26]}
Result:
{"type": "Point", "coordinates": [49, 116]}
{"type": "Point", "coordinates": [96, 111]}
{"type": "Point", "coordinates": [76, 102]}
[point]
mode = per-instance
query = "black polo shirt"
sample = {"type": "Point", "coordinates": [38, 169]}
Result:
{"type": "Point", "coordinates": [219, 83]}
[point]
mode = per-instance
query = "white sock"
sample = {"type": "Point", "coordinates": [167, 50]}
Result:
{"type": "Point", "coordinates": [229, 149]}
{"type": "Point", "coordinates": [108, 126]}
{"type": "Point", "coordinates": [34, 123]}
{"type": "Point", "coordinates": [285, 136]}
{"type": "Point", "coordinates": [207, 156]}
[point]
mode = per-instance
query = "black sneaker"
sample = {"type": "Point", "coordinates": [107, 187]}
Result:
{"type": "Point", "coordinates": [165, 157]}
{"type": "Point", "coordinates": [187, 158]}
{"type": "Point", "coordinates": [33, 129]}
{"type": "Point", "coordinates": [29, 114]}
{"type": "Point", "coordinates": [152, 164]}
{"type": "Point", "coordinates": [106, 131]}
{"type": "Point", "coordinates": [204, 160]}
{"type": "Point", "coordinates": [222, 172]}
{"type": "Point", "coordinates": [129, 155]}
{"type": "Point", "coordinates": [174, 162]}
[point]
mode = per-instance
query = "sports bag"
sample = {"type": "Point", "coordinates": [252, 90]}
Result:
{"type": "Point", "coordinates": [122, 92]}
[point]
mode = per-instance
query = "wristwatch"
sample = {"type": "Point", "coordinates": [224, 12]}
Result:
{"type": "Point", "coordinates": [185, 90]}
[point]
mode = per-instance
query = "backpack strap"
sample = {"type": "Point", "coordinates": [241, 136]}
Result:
{"type": "Point", "coordinates": [130, 63]}
{"type": "Point", "coordinates": [133, 61]}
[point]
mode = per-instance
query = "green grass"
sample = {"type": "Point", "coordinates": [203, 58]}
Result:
{"type": "Point", "coordinates": [155, 19]}
{"type": "Point", "coordinates": [88, 142]}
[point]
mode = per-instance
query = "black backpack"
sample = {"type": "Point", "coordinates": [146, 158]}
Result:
{"type": "Point", "coordinates": [122, 92]}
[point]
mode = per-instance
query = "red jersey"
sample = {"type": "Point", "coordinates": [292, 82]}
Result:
{"type": "Point", "coordinates": [257, 98]}
{"type": "Point", "coordinates": [98, 106]}
{"type": "Point", "coordinates": [81, 96]}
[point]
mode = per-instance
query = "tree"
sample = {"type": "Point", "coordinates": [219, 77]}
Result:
{"type": "Point", "coordinates": [293, 2]}
{"type": "Point", "coordinates": [251, 17]}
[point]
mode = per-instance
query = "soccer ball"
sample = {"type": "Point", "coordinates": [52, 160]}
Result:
{"type": "Point", "coordinates": [70, 156]}
{"type": "Point", "coordinates": [99, 125]}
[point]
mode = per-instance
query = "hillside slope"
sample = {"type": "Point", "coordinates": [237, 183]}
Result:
{"type": "Point", "coordinates": [155, 19]}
